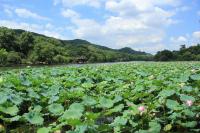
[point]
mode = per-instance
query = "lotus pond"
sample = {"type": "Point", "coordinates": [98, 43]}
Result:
{"type": "Point", "coordinates": [144, 97]}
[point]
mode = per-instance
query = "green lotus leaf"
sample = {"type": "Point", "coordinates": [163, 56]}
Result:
{"type": "Point", "coordinates": [16, 99]}
{"type": "Point", "coordinates": [174, 116]}
{"type": "Point", "coordinates": [190, 124]}
{"type": "Point", "coordinates": [26, 83]}
{"type": "Point", "coordinates": [33, 94]}
{"type": "Point", "coordinates": [34, 118]}
{"type": "Point", "coordinates": [187, 88]}
{"type": "Point", "coordinates": [166, 93]}
{"type": "Point", "coordinates": [3, 97]}
{"type": "Point", "coordinates": [37, 108]}
{"type": "Point", "coordinates": [87, 85]}
{"type": "Point", "coordinates": [117, 99]}
{"type": "Point", "coordinates": [71, 114]}
{"type": "Point", "coordinates": [75, 111]}
{"type": "Point", "coordinates": [53, 99]}
{"type": "Point", "coordinates": [56, 109]}
{"type": "Point", "coordinates": [16, 118]}
{"type": "Point", "coordinates": [78, 129]}
{"type": "Point", "coordinates": [172, 104]}
{"type": "Point", "coordinates": [186, 97]}
{"type": "Point", "coordinates": [133, 124]}
{"type": "Point", "coordinates": [155, 127]}
{"type": "Point", "coordinates": [76, 106]}
{"type": "Point", "coordinates": [105, 103]}
{"type": "Point", "coordinates": [89, 101]}
{"type": "Point", "coordinates": [52, 91]}
{"type": "Point", "coordinates": [134, 109]}
{"type": "Point", "coordinates": [117, 108]}
{"type": "Point", "coordinates": [195, 77]}
{"type": "Point", "coordinates": [13, 110]}
{"type": "Point", "coordinates": [43, 130]}
{"type": "Point", "coordinates": [142, 131]}
{"type": "Point", "coordinates": [119, 121]}
{"type": "Point", "coordinates": [189, 113]}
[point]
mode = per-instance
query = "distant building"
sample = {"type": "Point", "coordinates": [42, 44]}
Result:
{"type": "Point", "coordinates": [81, 60]}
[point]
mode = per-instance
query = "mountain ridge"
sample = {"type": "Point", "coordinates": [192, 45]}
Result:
{"type": "Point", "coordinates": [123, 49]}
{"type": "Point", "coordinates": [34, 48]}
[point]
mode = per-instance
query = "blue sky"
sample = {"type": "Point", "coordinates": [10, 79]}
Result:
{"type": "Point", "coordinates": [147, 25]}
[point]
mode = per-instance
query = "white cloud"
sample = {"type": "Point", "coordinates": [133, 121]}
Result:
{"type": "Point", "coordinates": [196, 35]}
{"type": "Point", "coordinates": [153, 48]}
{"type": "Point", "coordinates": [179, 40]}
{"type": "Point", "coordinates": [70, 14]}
{"type": "Point", "coordinates": [54, 34]}
{"type": "Point", "coordinates": [139, 24]}
{"type": "Point", "coordinates": [118, 32]}
{"type": "Point", "coordinates": [71, 3]}
{"type": "Point", "coordinates": [48, 29]}
{"type": "Point", "coordinates": [182, 39]}
{"type": "Point", "coordinates": [187, 39]}
{"type": "Point", "coordinates": [20, 25]}
{"type": "Point", "coordinates": [138, 5]}
{"type": "Point", "coordinates": [24, 13]}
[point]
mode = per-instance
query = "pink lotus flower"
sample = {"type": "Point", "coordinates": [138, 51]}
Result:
{"type": "Point", "coordinates": [189, 103]}
{"type": "Point", "coordinates": [141, 108]}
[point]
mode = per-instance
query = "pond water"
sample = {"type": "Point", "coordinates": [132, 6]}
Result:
{"type": "Point", "coordinates": [61, 65]}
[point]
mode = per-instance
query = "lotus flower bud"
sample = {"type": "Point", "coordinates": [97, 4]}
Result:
{"type": "Point", "coordinates": [189, 103]}
{"type": "Point", "coordinates": [141, 108]}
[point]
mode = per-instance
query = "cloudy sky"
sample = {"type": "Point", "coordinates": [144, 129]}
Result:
{"type": "Point", "coordinates": [146, 25]}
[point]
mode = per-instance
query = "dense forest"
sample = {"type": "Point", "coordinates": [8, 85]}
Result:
{"type": "Point", "coordinates": [23, 47]}
{"type": "Point", "coordinates": [191, 53]}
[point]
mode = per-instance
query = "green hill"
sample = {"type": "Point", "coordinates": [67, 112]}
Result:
{"type": "Point", "coordinates": [131, 51]}
{"type": "Point", "coordinates": [21, 47]}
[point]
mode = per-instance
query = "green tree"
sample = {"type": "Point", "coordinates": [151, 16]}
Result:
{"type": "Point", "coordinates": [187, 56]}
{"type": "Point", "coordinates": [3, 57]}
{"type": "Point", "coordinates": [45, 52]}
{"type": "Point", "coordinates": [164, 55]}
{"type": "Point", "coordinates": [26, 42]}
{"type": "Point", "coordinates": [197, 57]}
{"type": "Point", "coordinates": [8, 40]}
{"type": "Point", "coordinates": [61, 59]}
{"type": "Point", "coordinates": [13, 58]}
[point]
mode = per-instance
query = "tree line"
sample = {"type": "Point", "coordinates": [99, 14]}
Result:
{"type": "Point", "coordinates": [191, 53]}
{"type": "Point", "coordinates": [22, 47]}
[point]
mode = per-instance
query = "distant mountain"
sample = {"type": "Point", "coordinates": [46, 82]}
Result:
{"type": "Point", "coordinates": [22, 47]}
{"type": "Point", "coordinates": [131, 51]}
